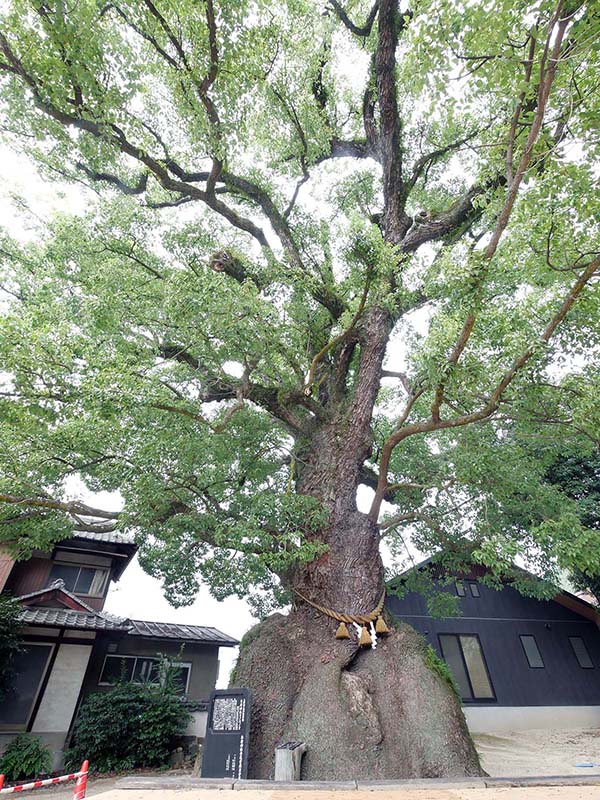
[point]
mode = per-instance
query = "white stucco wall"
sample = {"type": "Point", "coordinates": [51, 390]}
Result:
{"type": "Point", "coordinates": [60, 698]}
{"type": "Point", "coordinates": [504, 719]}
{"type": "Point", "coordinates": [197, 725]}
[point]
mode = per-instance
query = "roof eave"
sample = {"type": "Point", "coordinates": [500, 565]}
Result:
{"type": "Point", "coordinates": [175, 640]}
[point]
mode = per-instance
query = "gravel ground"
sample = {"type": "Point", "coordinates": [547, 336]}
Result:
{"type": "Point", "coordinates": [540, 752]}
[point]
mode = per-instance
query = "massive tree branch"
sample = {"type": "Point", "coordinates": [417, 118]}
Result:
{"type": "Point", "coordinates": [404, 431]}
{"type": "Point", "coordinates": [85, 518]}
{"type": "Point", "coordinates": [72, 507]}
{"type": "Point", "coordinates": [358, 30]}
{"type": "Point", "coordinates": [395, 220]}
{"type": "Point", "coordinates": [461, 214]}
{"type": "Point", "coordinates": [217, 389]}
{"type": "Point", "coordinates": [554, 42]}
{"type": "Point", "coordinates": [126, 188]}
{"type": "Point", "coordinates": [550, 59]}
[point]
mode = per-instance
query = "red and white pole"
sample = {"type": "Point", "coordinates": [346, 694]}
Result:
{"type": "Point", "coordinates": [81, 783]}
{"type": "Point", "coordinates": [80, 786]}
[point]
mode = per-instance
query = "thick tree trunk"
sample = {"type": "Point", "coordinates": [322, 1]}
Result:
{"type": "Point", "coordinates": [363, 713]}
{"type": "Point", "coordinates": [349, 576]}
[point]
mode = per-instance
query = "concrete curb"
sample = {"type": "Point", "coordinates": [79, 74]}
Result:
{"type": "Point", "coordinates": [188, 782]}
{"type": "Point", "coordinates": [163, 782]}
{"type": "Point", "coordinates": [421, 783]}
{"type": "Point", "coordinates": [315, 786]}
{"type": "Point", "coordinates": [550, 780]}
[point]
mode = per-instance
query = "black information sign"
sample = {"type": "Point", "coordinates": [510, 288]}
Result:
{"type": "Point", "coordinates": [227, 733]}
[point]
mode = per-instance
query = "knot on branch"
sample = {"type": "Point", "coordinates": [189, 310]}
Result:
{"type": "Point", "coordinates": [226, 262]}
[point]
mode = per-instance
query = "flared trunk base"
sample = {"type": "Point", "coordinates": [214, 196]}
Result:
{"type": "Point", "coordinates": [364, 714]}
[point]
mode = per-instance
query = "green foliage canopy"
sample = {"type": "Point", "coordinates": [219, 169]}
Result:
{"type": "Point", "coordinates": [578, 476]}
{"type": "Point", "coordinates": [264, 179]}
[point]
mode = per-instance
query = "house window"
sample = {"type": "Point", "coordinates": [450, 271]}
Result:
{"type": "Point", "coordinates": [117, 669]}
{"type": "Point", "coordinates": [474, 590]}
{"type": "Point", "coordinates": [464, 656]}
{"type": "Point", "coordinates": [581, 652]}
{"type": "Point", "coordinates": [460, 589]}
{"type": "Point", "coordinates": [29, 666]}
{"type": "Point", "coordinates": [146, 670]}
{"type": "Point", "coordinates": [532, 652]}
{"type": "Point", "coordinates": [140, 669]}
{"type": "Point", "coordinates": [181, 676]}
{"type": "Point", "coordinates": [79, 579]}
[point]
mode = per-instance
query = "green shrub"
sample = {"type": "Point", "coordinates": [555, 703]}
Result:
{"type": "Point", "coordinates": [133, 725]}
{"type": "Point", "coordinates": [439, 666]}
{"type": "Point", "coordinates": [25, 757]}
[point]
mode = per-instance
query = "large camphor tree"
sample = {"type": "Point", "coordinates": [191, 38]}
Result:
{"type": "Point", "coordinates": [320, 247]}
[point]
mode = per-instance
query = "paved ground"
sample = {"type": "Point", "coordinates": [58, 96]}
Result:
{"type": "Point", "coordinates": [539, 793]}
{"type": "Point", "coordinates": [64, 791]}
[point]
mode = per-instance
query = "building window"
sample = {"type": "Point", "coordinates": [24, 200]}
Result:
{"type": "Point", "coordinates": [146, 670]}
{"type": "Point", "coordinates": [474, 590]}
{"type": "Point", "coordinates": [464, 656]}
{"type": "Point", "coordinates": [30, 665]}
{"type": "Point", "coordinates": [180, 673]}
{"type": "Point", "coordinates": [140, 669]}
{"type": "Point", "coordinates": [581, 652]}
{"type": "Point", "coordinates": [532, 652]}
{"type": "Point", "coordinates": [80, 580]}
{"type": "Point", "coordinates": [117, 669]}
{"type": "Point", "coordinates": [460, 589]}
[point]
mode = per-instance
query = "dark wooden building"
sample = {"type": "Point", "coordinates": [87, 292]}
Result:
{"type": "Point", "coordinates": [519, 662]}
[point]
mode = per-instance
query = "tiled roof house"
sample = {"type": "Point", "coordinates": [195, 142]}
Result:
{"type": "Point", "coordinates": [73, 647]}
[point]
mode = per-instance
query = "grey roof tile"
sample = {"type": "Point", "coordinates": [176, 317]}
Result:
{"type": "Point", "coordinates": [91, 619]}
{"type": "Point", "coordinates": [67, 618]}
{"type": "Point", "coordinates": [114, 537]}
{"type": "Point", "coordinates": [104, 621]}
{"type": "Point", "coordinates": [188, 633]}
